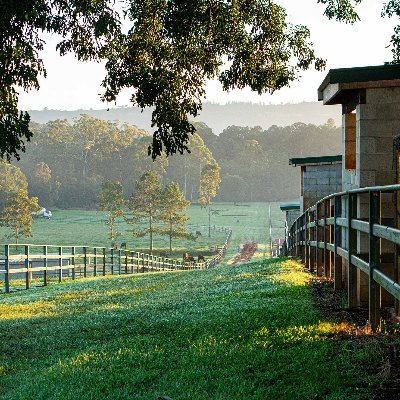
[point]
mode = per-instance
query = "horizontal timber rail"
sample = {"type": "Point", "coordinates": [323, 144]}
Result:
{"type": "Point", "coordinates": [354, 238]}
{"type": "Point", "coordinates": [33, 261]}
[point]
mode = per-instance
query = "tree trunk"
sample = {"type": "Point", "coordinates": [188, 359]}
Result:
{"type": "Point", "coordinates": [151, 234]}
{"type": "Point", "coordinates": [209, 220]}
{"type": "Point", "coordinates": [170, 238]}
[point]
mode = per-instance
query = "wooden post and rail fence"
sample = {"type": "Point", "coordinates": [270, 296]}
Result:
{"type": "Point", "coordinates": [28, 261]}
{"type": "Point", "coordinates": [353, 237]}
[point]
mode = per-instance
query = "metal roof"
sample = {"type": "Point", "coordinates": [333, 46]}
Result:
{"type": "Point", "coordinates": [290, 206]}
{"type": "Point", "coordinates": [356, 78]}
{"type": "Point", "coordinates": [316, 160]}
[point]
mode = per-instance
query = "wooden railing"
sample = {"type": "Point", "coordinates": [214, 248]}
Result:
{"type": "Point", "coordinates": [32, 261]}
{"type": "Point", "coordinates": [349, 232]}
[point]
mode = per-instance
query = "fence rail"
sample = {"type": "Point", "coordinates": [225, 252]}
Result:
{"type": "Point", "coordinates": [31, 261]}
{"type": "Point", "coordinates": [353, 231]}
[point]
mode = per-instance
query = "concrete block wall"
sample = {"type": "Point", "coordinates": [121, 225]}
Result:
{"type": "Point", "coordinates": [320, 181]}
{"type": "Point", "coordinates": [291, 216]}
{"type": "Point", "coordinates": [377, 124]}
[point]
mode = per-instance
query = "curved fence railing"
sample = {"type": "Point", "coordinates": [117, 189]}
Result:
{"type": "Point", "coordinates": [33, 261]}
{"type": "Point", "coordinates": [353, 237]}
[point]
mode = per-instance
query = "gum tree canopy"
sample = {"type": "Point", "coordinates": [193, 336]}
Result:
{"type": "Point", "coordinates": [163, 50]}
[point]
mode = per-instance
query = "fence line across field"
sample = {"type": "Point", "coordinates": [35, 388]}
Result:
{"type": "Point", "coordinates": [338, 227]}
{"type": "Point", "coordinates": [38, 261]}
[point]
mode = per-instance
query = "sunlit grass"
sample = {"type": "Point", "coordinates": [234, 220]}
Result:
{"type": "Point", "coordinates": [243, 332]}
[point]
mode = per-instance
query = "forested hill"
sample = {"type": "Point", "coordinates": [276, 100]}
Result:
{"type": "Point", "coordinates": [66, 163]}
{"type": "Point", "coordinates": [216, 116]}
{"type": "Point", "coordinates": [255, 162]}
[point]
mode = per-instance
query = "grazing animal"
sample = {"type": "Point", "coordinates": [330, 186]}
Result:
{"type": "Point", "coordinates": [200, 257]}
{"type": "Point", "coordinates": [191, 259]}
{"type": "Point", "coordinates": [186, 257]}
{"type": "Point", "coordinates": [115, 246]}
{"type": "Point", "coordinates": [123, 245]}
{"type": "Point", "coordinates": [198, 233]}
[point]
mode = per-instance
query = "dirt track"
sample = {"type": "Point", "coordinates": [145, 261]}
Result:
{"type": "Point", "coordinates": [246, 253]}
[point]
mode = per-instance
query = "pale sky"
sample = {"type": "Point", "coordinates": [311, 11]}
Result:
{"type": "Point", "coordinates": [72, 85]}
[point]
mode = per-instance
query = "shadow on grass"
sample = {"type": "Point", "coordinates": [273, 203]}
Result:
{"type": "Point", "coordinates": [247, 332]}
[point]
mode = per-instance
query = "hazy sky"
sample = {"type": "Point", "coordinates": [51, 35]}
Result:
{"type": "Point", "coordinates": [72, 85]}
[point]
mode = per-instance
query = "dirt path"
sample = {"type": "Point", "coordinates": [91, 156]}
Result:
{"type": "Point", "coordinates": [246, 252]}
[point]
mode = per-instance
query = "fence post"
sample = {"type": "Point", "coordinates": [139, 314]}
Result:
{"type": "Point", "coordinates": [73, 261]}
{"type": "Point", "coordinates": [112, 261]}
{"type": "Point", "coordinates": [310, 238]}
{"type": "Point", "coordinates": [104, 261]}
{"type": "Point", "coordinates": [338, 282]}
{"type": "Point", "coordinates": [326, 258]}
{"type": "Point", "coordinates": [119, 262]}
{"type": "Point", "coordinates": [142, 262]}
{"type": "Point", "coordinates": [84, 261]}
{"type": "Point", "coordinates": [126, 261]}
{"type": "Point", "coordinates": [7, 268]}
{"type": "Point", "coordinates": [28, 272]}
{"type": "Point", "coordinates": [352, 248]}
{"type": "Point", "coordinates": [95, 262]}
{"type": "Point", "coordinates": [317, 237]}
{"type": "Point", "coordinates": [374, 259]}
{"type": "Point", "coordinates": [45, 265]}
{"type": "Point", "coordinates": [60, 260]}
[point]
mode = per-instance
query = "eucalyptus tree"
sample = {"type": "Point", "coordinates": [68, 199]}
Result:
{"type": "Point", "coordinates": [145, 207]}
{"type": "Point", "coordinates": [112, 201]}
{"type": "Point", "coordinates": [18, 214]}
{"type": "Point", "coordinates": [163, 51]}
{"type": "Point", "coordinates": [186, 168]}
{"type": "Point", "coordinates": [173, 213]}
{"type": "Point", "coordinates": [12, 179]}
{"type": "Point", "coordinates": [209, 183]}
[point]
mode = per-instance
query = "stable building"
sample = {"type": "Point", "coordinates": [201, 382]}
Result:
{"type": "Point", "coordinates": [370, 99]}
{"type": "Point", "coordinates": [292, 212]}
{"type": "Point", "coordinates": [320, 177]}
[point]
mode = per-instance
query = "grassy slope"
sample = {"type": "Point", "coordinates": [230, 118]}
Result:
{"type": "Point", "coordinates": [82, 227]}
{"type": "Point", "coordinates": [248, 332]}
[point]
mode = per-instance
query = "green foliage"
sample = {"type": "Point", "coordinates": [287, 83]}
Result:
{"type": "Point", "coordinates": [80, 156]}
{"type": "Point", "coordinates": [209, 183]}
{"type": "Point", "coordinates": [112, 201]}
{"type": "Point", "coordinates": [12, 179]}
{"type": "Point", "coordinates": [173, 47]}
{"type": "Point", "coordinates": [173, 213]}
{"type": "Point", "coordinates": [145, 204]}
{"type": "Point", "coordinates": [186, 168]}
{"type": "Point", "coordinates": [166, 56]}
{"type": "Point", "coordinates": [83, 26]}
{"type": "Point", "coordinates": [169, 52]}
{"type": "Point", "coordinates": [342, 11]}
{"type": "Point", "coordinates": [43, 172]}
{"type": "Point", "coordinates": [249, 332]}
{"type": "Point", "coordinates": [17, 214]}
{"type": "Point", "coordinates": [258, 159]}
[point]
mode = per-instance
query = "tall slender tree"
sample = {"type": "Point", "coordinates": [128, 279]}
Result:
{"type": "Point", "coordinates": [17, 214]}
{"type": "Point", "coordinates": [173, 213]}
{"type": "Point", "coordinates": [145, 205]}
{"type": "Point", "coordinates": [209, 183]}
{"type": "Point", "coordinates": [112, 201]}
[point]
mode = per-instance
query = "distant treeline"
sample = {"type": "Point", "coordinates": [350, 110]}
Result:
{"type": "Point", "coordinates": [66, 162]}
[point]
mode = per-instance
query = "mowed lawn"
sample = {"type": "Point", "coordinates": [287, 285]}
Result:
{"type": "Point", "coordinates": [84, 227]}
{"type": "Point", "coordinates": [243, 332]}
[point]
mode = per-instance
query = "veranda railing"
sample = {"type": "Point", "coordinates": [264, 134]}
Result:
{"type": "Point", "coordinates": [360, 227]}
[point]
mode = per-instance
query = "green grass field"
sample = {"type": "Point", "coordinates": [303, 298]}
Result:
{"type": "Point", "coordinates": [244, 332]}
{"type": "Point", "coordinates": [82, 227]}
